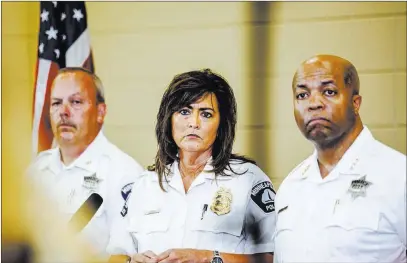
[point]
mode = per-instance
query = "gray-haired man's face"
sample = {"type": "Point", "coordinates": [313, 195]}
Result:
{"type": "Point", "coordinates": [74, 113]}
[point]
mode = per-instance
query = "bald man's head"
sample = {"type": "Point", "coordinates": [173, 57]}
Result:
{"type": "Point", "coordinates": [326, 98]}
{"type": "Point", "coordinates": [334, 64]}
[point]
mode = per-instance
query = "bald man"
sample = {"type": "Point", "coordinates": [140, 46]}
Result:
{"type": "Point", "coordinates": [347, 201]}
{"type": "Point", "coordinates": [84, 162]}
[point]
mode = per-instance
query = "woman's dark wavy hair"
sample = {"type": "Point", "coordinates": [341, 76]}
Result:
{"type": "Point", "coordinates": [185, 89]}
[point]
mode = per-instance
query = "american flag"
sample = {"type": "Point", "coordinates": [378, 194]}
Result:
{"type": "Point", "coordinates": [63, 42]}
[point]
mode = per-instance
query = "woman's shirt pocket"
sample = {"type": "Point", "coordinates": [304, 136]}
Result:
{"type": "Point", "coordinates": [149, 230]}
{"type": "Point", "coordinates": [222, 232]}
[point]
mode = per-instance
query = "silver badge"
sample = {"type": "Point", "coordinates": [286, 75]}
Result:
{"type": "Point", "coordinates": [91, 182]}
{"type": "Point", "coordinates": [358, 187]}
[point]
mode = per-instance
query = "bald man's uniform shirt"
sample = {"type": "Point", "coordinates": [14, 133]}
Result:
{"type": "Point", "coordinates": [102, 168]}
{"type": "Point", "coordinates": [355, 214]}
{"type": "Point", "coordinates": [231, 214]}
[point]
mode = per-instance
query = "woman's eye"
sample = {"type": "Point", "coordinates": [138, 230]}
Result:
{"type": "Point", "coordinates": [184, 111]}
{"type": "Point", "coordinates": [206, 114]}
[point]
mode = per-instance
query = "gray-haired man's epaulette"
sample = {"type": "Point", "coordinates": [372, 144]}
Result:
{"type": "Point", "coordinates": [41, 159]}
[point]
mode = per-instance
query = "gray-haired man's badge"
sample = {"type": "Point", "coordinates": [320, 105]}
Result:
{"type": "Point", "coordinates": [91, 182]}
{"type": "Point", "coordinates": [358, 187]}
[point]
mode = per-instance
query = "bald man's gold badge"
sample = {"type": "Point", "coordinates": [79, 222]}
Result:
{"type": "Point", "coordinates": [222, 201]}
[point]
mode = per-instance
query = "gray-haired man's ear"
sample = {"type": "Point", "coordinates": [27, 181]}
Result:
{"type": "Point", "coordinates": [101, 112]}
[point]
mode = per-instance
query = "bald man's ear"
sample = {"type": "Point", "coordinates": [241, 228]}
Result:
{"type": "Point", "coordinates": [356, 101]}
{"type": "Point", "coordinates": [101, 112]}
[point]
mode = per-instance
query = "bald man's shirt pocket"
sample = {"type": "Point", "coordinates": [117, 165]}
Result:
{"type": "Point", "coordinates": [284, 236]}
{"type": "Point", "coordinates": [354, 223]}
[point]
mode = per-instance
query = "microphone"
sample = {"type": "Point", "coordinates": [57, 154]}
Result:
{"type": "Point", "coordinates": [85, 213]}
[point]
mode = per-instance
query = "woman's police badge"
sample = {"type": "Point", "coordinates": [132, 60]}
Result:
{"type": "Point", "coordinates": [222, 201]}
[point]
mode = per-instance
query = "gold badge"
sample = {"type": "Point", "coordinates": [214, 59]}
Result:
{"type": "Point", "coordinates": [222, 201]}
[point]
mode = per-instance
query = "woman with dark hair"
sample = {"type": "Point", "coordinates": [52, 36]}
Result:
{"type": "Point", "coordinates": [198, 202]}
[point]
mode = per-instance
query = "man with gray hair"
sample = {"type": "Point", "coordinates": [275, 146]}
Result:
{"type": "Point", "coordinates": [84, 161]}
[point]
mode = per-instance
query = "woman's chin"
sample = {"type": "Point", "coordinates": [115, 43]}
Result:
{"type": "Point", "coordinates": [192, 147]}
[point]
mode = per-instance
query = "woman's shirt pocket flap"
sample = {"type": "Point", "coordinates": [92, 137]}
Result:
{"type": "Point", "coordinates": [149, 223]}
{"type": "Point", "coordinates": [229, 224]}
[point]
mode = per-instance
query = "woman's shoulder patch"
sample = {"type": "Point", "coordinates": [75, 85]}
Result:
{"type": "Point", "coordinates": [263, 195]}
